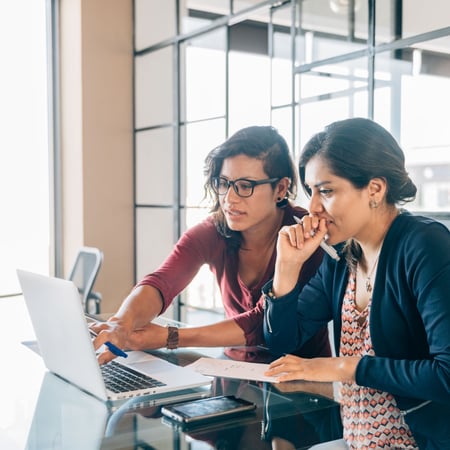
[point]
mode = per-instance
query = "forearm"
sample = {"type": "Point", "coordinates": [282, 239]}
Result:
{"type": "Point", "coordinates": [151, 336]}
{"type": "Point", "coordinates": [285, 278]}
{"type": "Point", "coordinates": [222, 334]}
{"type": "Point", "coordinates": [344, 368]}
{"type": "Point", "coordinates": [292, 367]}
{"type": "Point", "coordinates": [141, 306]}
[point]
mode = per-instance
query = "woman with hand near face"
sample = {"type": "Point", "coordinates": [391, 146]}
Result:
{"type": "Point", "coordinates": [388, 296]}
{"type": "Point", "coordinates": [251, 180]}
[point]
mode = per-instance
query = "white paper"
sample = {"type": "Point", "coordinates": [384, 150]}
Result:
{"type": "Point", "coordinates": [232, 369]}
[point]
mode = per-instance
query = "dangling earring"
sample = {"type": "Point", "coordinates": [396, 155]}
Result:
{"type": "Point", "coordinates": [373, 204]}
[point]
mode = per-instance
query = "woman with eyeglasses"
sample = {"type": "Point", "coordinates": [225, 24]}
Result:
{"type": "Point", "coordinates": [251, 180]}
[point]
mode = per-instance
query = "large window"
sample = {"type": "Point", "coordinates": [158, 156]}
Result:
{"type": "Point", "coordinates": [24, 145]}
{"type": "Point", "coordinates": [220, 65]}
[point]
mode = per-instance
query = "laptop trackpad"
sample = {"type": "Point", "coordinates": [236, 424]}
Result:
{"type": "Point", "coordinates": [149, 364]}
{"type": "Point", "coordinates": [151, 367]}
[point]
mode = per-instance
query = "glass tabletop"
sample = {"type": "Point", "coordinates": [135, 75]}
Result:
{"type": "Point", "coordinates": [41, 411]}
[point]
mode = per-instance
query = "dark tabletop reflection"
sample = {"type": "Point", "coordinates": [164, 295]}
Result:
{"type": "Point", "coordinates": [288, 416]}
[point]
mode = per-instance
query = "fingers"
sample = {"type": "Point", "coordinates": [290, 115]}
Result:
{"type": "Point", "coordinates": [105, 332]}
{"type": "Point", "coordinates": [297, 234]}
{"type": "Point", "coordinates": [294, 235]}
{"type": "Point", "coordinates": [101, 334]}
{"type": "Point", "coordinates": [101, 329]}
{"type": "Point", "coordinates": [105, 357]}
{"type": "Point", "coordinates": [286, 368]}
{"type": "Point", "coordinates": [282, 362]}
{"type": "Point", "coordinates": [150, 336]}
{"type": "Point", "coordinates": [313, 226]}
{"type": "Point", "coordinates": [309, 227]}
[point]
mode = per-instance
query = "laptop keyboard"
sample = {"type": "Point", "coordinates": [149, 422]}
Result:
{"type": "Point", "coordinates": [120, 378]}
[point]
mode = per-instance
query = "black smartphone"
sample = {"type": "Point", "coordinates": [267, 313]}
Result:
{"type": "Point", "coordinates": [205, 409]}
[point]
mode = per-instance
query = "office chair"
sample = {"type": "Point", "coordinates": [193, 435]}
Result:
{"type": "Point", "coordinates": [83, 274]}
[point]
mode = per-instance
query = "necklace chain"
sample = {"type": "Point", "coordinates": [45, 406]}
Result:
{"type": "Point", "coordinates": [369, 286]}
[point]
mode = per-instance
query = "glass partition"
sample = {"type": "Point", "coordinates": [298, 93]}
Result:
{"type": "Point", "coordinates": [199, 138]}
{"type": "Point", "coordinates": [154, 232]}
{"type": "Point", "coordinates": [151, 28]}
{"type": "Point", "coordinates": [423, 16]}
{"type": "Point", "coordinates": [198, 14]}
{"type": "Point", "coordinates": [154, 166]}
{"type": "Point", "coordinates": [154, 88]}
{"type": "Point", "coordinates": [297, 65]}
{"type": "Point", "coordinates": [203, 93]}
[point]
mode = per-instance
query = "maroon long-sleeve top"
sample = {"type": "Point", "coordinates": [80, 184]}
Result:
{"type": "Point", "coordinates": [202, 244]}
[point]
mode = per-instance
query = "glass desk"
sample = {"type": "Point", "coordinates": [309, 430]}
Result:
{"type": "Point", "coordinates": [40, 411]}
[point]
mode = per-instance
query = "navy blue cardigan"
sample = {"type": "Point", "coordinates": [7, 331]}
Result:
{"type": "Point", "coordinates": [409, 322]}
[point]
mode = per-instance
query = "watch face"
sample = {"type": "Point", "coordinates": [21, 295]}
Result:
{"type": "Point", "coordinates": [172, 338]}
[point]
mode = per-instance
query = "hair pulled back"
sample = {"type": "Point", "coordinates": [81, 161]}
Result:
{"type": "Point", "coordinates": [358, 150]}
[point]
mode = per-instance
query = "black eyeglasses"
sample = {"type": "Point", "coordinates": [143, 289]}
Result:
{"type": "Point", "coordinates": [242, 186]}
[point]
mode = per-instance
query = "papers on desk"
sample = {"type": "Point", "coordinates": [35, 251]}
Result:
{"type": "Point", "coordinates": [232, 369]}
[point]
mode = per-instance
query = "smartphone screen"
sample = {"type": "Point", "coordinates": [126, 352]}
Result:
{"type": "Point", "coordinates": [207, 409]}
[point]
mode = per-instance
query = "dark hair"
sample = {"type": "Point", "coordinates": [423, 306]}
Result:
{"type": "Point", "coordinates": [358, 150]}
{"type": "Point", "coordinates": [259, 142]}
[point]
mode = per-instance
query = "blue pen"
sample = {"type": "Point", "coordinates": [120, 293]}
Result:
{"type": "Point", "coordinates": [115, 350]}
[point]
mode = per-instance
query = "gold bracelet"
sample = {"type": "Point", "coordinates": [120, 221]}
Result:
{"type": "Point", "coordinates": [172, 338]}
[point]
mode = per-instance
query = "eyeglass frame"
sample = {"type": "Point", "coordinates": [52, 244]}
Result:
{"type": "Point", "coordinates": [252, 183]}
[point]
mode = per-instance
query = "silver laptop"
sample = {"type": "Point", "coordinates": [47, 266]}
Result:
{"type": "Point", "coordinates": [66, 347]}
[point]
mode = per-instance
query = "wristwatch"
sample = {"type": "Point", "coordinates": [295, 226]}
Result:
{"type": "Point", "coordinates": [172, 338]}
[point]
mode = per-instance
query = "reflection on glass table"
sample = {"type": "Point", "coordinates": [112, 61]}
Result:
{"type": "Point", "coordinates": [300, 414]}
{"type": "Point", "coordinates": [41, 411]}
